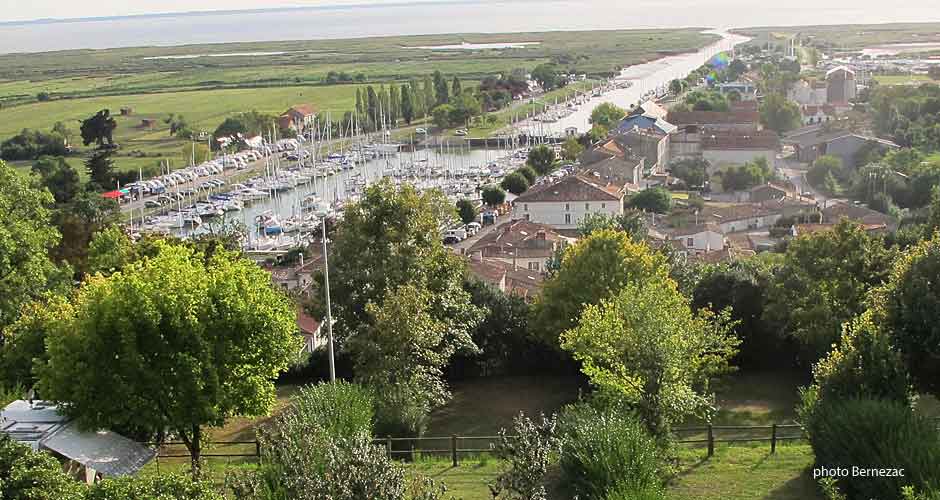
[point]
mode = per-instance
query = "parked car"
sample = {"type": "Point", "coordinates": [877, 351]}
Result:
{"type": "Point", "coordinates": [421, 130]}
{"type": "Point", "coordinates": [459, 233]}
{"type": "Point", "coordinates": [461, 131]}
{"type": "Point", "coordinates": [151, 204]}
{"type": "Point", "coordinates": [451, 239]}
{"type": "Point", "coordinates": [474, 228]}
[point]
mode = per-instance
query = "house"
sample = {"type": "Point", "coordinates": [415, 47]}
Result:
{"type": "Point", "coordinates": [519, 282]}
{"type": "Point", "coordinates": [310, 330]}
{"type": "Point", "coordinates": [767, 192]}
{"type": "Point", "coordinates": [521, 244]}
{"type": "Point", "coordinates": [699, 238]}
{"type": "Point", "coordinates": [651, 144]}
{"type": "Point", "coordinates": [736, 120]}
{"type": "Point", "coordinates": [818, 114]}
{"type": "Point", "coordinates": [737, 148]}
{"type": "Point", "coordinates": [297, 118]}
{"type": "Point", "coordinates": [801, 229]}
{"type": "Point", "coordinates": [841, 86]}
{"type": "Point", "coordinates": [809, 93]}
{"type": "Point", "coordinates": [836, 211]}
{"type": "Point", "coordinates": [741, 217]}
{"type": "Point", "coordinates": [564, 203]}
{"type": "Point", "coordinates": [614, 161]}
{"type": "Point", "coordinates": [93, 455]}
{"type": "Point", "coordinates": [810, 143]}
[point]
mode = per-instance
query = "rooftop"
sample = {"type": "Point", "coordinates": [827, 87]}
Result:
{"type": "Point", "coordinates": [571, 188]}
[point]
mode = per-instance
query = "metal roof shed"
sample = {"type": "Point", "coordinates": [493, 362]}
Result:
{"type": "Point", "coordinates": [104, 451]}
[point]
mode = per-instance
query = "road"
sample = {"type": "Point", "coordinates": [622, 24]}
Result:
{"type": "Point", "coordinates": [795, 172]}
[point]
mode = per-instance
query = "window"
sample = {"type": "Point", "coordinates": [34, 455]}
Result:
{"type": "Point", "coordinates": [567, 218]}
{"type": "Point", "coordinates": [587, 206]}
{"type": "Point", "coordinates": [603, 205]}
{"type": "Point", "coordinates": [533, 266]}
{"type": "Point", "coordinates": [567, 207]}
{"type": "Point", "coordinates": [690, 242]}
{"type": "Point", "coordinates": [525, 207]}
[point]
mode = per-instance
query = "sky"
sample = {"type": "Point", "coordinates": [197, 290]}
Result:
{"type": "Point", "coordinates": [22, 10]}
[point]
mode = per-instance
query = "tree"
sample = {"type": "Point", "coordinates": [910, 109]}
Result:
{"type": "Point", "coordinates": [547, 76]}
{"type": "Point", "coordinates": [493, 196]}
{"type": "Point", "coordinates": [631, 223]}
{"type": "Point", "coordinates": [515, 183]}
{"type": "Point", "coordinates": [429, 95]}
{"type": "Point", "coordinates": [741, 287]}
{"type": "Point", "coordinates": [676, 87]}
{"type": "Point", "coordinates": [779, 114]}
{"type": "Point", "coordinates": [402, 355]}
{"type": "Point", "coordinates": [646, 346]}
{"type": "Point", "coordinates": [442, 115]}
{"type": "Point", "coordinates": [529, 174]}
{"type": "Point", "coordinates": [542, 159]}
{"type": "Point", "coordinates": [466, 210]}
{"type": "Point", "coordinates": [32, 144]}
{"type": "Point", "coordinates": [22, 345]}
{"type": "Point", "coordinates": [455, 88]}
{"type": "Point", "coordinates": [25, 241]}
{"type": "Point", "coordinates": [441, 92]}
{"type": "Point", "coordinates": [593, 269]}
{"type": "Point", "coordinates": [607, 115]}
{"type": "Point", "coordinates": [657, 200]}
{"type": "Point", "coordinates": [77, 222]}
{"type": "Point", "coordinates": [910, 304]}
{"type": "Point", "coordinates": [99, 129]}
{"type": "Point", "coordinates": [407, 105]}
{"type": "Point", "coordinates": [753, 173]}
{"type": "Point", "coordinates": [110, 251]}
{"type": "Point", "coordinates": [389, 239]}
{"type": "Point", "coordinates": [182, 340]}
{"type": "Point", "coordinates": [822, 283]}
{"type": "Point", "coordinates": [58, 177]}
{"type": "Point", "coordinates": [100, 168]}
{"type": "Point", "coordinates": [571, 149]}
{"type": "Point", "coordinates": [707, 100]}
{"type": "Point", "coordinates": [692, 171]}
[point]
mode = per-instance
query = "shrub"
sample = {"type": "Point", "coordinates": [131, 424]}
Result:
{"type": "Point", "coordinates": [657, 200]}
{"type": "Point", "coordinates": [515, 183]}
{"type": "Point", "coordinates": [177, 487]}
{"type": "Point", "coordinates": [529, 173]}
{"type": "Point", "coordinates": [865, 365]}
{"type": "Point", "coordinates": [609, 455]}
{"type": "Point", "coordinates": [26, 474]}
{"type": "Point", "coordinates": [528, 454]}
{"type": "Point", "coordinates": [869, 433]}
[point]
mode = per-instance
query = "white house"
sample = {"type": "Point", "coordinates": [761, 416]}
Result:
{"type": "Point", "coordinates": [702, 238]}
{"type": "Point", "coordinates": [563, 204]}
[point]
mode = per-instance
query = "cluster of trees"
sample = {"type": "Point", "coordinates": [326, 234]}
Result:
{"type": "Point", "coordinates": [247, 124]}
{"type": "Point", "coordinates": [704, 100]}
{"type": "Point", "coordinates": [498, 92]}
{"type": "Point", "coordinates": [779, 114]}
{"type": "Point", "coordinates": [541, 161]}
{"type": "Point", "coordinates": [716, 74]}
{"type": "Point", "coordinates": [752, 173]}
{"type": "Point", "coordinates": [334, 77]}
{"type": "Point", "coordinates": [657, 200]}
{"type": "Point", "coordinates": [693, 172]}
{"type": "Point", "coordinates": [909, 115]}
{"type": "Point", "coordinates": [31, 144]}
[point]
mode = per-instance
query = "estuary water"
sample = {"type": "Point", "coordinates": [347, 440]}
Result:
{"type": "Point", "coordinates": [324, 21]}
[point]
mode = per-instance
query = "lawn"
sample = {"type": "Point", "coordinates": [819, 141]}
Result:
{"type": "Point", "coordinates": [851, 36]}
{"type": "Point", "coordinates": [903, 79]}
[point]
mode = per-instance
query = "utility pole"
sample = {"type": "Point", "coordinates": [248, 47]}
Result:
{"type": "Point", "coordinates": [329, 312]}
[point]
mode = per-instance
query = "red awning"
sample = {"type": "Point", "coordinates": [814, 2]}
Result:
{"type": "Point", "coordinates": [114, 195]}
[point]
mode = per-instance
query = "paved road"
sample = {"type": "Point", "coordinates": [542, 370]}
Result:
{"type": "Point", "coordinates": [795, 172]}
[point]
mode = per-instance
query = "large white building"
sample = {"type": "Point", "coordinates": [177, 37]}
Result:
{"type": "Point", "coordinates": [564, 204]}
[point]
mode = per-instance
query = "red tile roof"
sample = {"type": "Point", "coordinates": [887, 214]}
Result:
{"type": "Point", "coordinates": [763, 140]}
{"type": "Point", "coordinates": [736, 117]}
{"type": "Point", "coordinates": [571, 188]}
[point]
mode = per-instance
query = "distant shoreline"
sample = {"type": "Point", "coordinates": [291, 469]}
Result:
{"type": "Point", "coordinates": [236, 12]}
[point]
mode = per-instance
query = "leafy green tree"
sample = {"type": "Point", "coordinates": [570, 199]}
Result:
{"type": "Point", "coordinates": [77, 222]}
{"type": "Point", "coordinates": [597, 133]}
{"type": "Point", "coordinates": [441, 92]}
{"type": "Point", "coordinates": [593, 269]}
{"type": "Point", "coordinates": [657, 200]}
{"type": "Point", "coordinates": [455, 88]}
{"type": "Point", "coordinates": [389, 239]}
{"type": "Point", "coordinates": [23, 342]}
{"type": "Point", "coordinates": [822, 283]}
{"type": "Point", "coordinates": [26, 474]}
{"type": "Point", "coordinates": [182, 340]}
{"type": "Point", "coordinates": [428, 94]}
{"type": "Point", "coordinates": [607, 115]}
{"type": "Point", "coordinates": [442, 116]}
{"type": "Point", "coordinates": [676, 87]}
{"type": "Point", "coordinates": [100, 169]}
{"type": "Point", "coordinates": [515, 183]}
{"type": "Point", "coordinates": [630, 222]}
{"type": "Point", "coordinates": [110, 251]}
{"type": "Point", "coordinates": [646, 347]}
{"type": "Point", "coordinates": [753, 173]}
{"type": "Point", "coordinates": [58, 177]}
{"type": "Point", "coordinates": [571, 149]}
{"type": "Point", "coordinates": [542, 159]}
{"type": "Point", "coordinates": [505, 346]}
{"type": "Point", "coordinates": [177, 487]}
{"type": "Point", "coordinates": [466, 210]}
{"type": "Point", "coordinates": [741, 287]}
{"type": "Point", "coordinates": [32, 144]}
{"type": "Point", "coordinates": [779, 114]}
{"type": "Point", "coordinates": [493, 196]}
{"type": "Point", "coordinates": [99, 129]}
{"type": "Point", "coordinates": [25, 241]}
{"type": "Point", "coordinates": [910, 302]}
{"type": "Point", "coordinates": [402, 355]}
{"type": "Point", "coordinates": [529, 174]}
{"type": "Point", "coordinates": [407, 104]}
{"type": "Point", "coordinates": [692, 171]}
{"type": "Point", "coordinates": [548, 76]}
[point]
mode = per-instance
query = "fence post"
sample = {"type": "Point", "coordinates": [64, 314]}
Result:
{"type": "Point", "coordinates": [388, 446]}
{"type": "Point", "coordinates": [711, 441]}
{"type": "Point", "coordinates": [453, 449]}
{"type": "Point", "coordinates": [413, 456]}
{"type": "Point", "coordinates": [773, 438]}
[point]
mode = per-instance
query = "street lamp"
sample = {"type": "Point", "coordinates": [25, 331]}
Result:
{"type": "Point", "coordinates": [329, 312]}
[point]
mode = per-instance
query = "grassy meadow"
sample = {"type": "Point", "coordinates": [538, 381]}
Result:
{"type": "Point", "coordinates": [850, 37]}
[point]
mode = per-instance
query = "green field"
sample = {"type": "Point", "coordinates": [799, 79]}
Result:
{"type": "Point", "coordinates": [903, 79]}
{"type": "Point", "coordinates": [848, 37]}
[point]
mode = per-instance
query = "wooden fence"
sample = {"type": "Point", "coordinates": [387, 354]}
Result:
{"type": "Point", "coordinates": [456, 447]}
